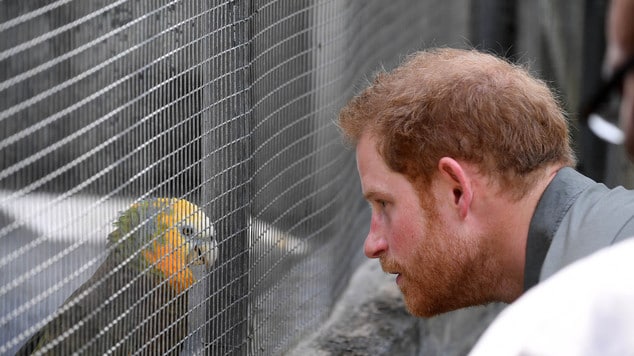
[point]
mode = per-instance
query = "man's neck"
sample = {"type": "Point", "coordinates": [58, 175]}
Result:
{"type": "Point", "coordinates": [515, 219]}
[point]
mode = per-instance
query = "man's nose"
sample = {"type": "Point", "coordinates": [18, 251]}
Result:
{"type": "Point", "coordinates": [375, 245]}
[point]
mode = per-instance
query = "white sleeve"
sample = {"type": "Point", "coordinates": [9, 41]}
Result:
{"type": "Point", "coordinates": [586, 308]}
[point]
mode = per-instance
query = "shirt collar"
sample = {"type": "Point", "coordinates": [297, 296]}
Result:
{"type": "Point", "coordinates": [554, 203]}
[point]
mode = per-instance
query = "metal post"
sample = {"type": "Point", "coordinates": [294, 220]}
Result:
{"type": "Point", "coordinates": [227, 172]}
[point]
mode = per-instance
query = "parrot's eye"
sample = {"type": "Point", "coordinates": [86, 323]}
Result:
{"type": "Point", "coordinates": [187, 230]}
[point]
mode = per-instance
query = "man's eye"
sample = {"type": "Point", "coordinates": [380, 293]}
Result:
{"type": "Point", "coordinates": [381, 203]}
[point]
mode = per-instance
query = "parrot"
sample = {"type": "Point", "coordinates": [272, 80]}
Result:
{"type": "Point", "coordinates": [136, 301]}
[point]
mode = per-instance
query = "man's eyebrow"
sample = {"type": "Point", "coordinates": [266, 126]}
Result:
{"type": "Point", "coordinates": [371, 195]}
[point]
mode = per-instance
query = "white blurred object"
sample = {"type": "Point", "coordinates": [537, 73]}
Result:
{"type": "Point", "coordinates": [585, 309]}
{"type": "Point", "coordinates": [266, 238]}
{"type": "Point", "coordinates": [80, 217]}
{"type": "Point", "coordinates": [605, 130]}
{"type": "Point", "coordinates": [87, 218]}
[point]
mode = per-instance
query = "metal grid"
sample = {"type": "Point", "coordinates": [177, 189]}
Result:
{"type": "Point", "coordinates": [228, 104]}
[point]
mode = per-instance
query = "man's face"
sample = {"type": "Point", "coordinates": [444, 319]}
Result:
{"type": "Point", "coordinates": [439, 268]}
{"type": "Point", "coordinates": [620, 48]}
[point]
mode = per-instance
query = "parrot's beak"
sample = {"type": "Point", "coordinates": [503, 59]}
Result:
{"type": "Point", "coordinates": [203, 249]}
{"type": "Point", "coordinates": [203, 252]}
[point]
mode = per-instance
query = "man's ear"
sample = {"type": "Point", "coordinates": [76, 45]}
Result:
{"type": "Point", "coordinates": [456, 178]}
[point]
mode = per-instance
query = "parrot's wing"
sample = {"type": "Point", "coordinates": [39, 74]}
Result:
{"type": "Point", "coordinates": [94, 320]}
{"type": "Point", "coordinates": [137, 298]}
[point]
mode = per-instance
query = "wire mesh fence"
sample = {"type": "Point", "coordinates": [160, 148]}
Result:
{"type": "Point", "coordinates": [226, 109]}
{"type": "Point", "coordinates": [107, 106]}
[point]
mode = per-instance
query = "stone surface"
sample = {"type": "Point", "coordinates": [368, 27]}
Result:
{"type": "Point", "coordinates": [371, 319]}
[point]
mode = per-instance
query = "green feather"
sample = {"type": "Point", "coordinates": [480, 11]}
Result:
{"type": "Point", "coordinates": [136, 228]}
{"type": "Point", "coordinates": [146, 213]}
{"type": "Point", "coordinates": [125, 223]}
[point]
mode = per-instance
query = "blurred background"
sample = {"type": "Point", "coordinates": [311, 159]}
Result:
{"type": "Point", "coordinates": [231, 105]}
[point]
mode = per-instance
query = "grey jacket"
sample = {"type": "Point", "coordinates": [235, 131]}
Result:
{"type": "Point", "coordinates": [574, 218]}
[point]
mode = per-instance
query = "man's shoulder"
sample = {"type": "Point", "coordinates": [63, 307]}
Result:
{"type": "Point", "coordinates": [598, 217]}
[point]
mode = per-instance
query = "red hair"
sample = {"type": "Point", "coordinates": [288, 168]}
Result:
{"type": "Point", "coordinates": [463, 104]}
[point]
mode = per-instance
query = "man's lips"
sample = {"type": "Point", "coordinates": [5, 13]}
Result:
{"type": "Point", "coordinates": [390, 267]}
{"type": "Point", "coordinates": [397, 274]}
{"type": "Point", "coordinates": [399, 278]}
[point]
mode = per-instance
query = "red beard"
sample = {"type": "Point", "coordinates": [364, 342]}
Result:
{"type": "Point", "coordinates": [445, 273]}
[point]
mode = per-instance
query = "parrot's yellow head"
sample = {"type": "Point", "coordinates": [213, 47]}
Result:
{"type": "Point", "coordinates": [172, 234]}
